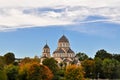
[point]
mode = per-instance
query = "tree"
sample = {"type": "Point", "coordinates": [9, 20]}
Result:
{"type": "Point", "coordinates": [116, 56]}
{"type": "Point", "coordinates": [2, 71]}
{"type": "Point", "coordinates": [29, 60]}
{"type": "Point", "coordinates": [102, 54]}
{"type": "Point", "coordinates": [74, 72]}
{"type": "Point", "coordinates": [51, 63]}
{"type": "Point", "coordinates": [98, 68]}
{"type": "Point", "coordinates": [116, 69]}
{"type": "Point", "coordinates": [3, 75]}
{"type": "Point", "coordinates": [39, 72]}
{"type": "Point", "coordinates": [81, 56]}
{"type": "Point", "coordinates": [111, 68]}
{"type": "Point", "coordinates": [12, 72]}
{"type": "Point", "coordinates": [2, 62]}
{"type": "Point", "coordinates": [9, 58]}
{"type": "Point", "coordinates": [89, 67]}
{"type": "Point", "coordinates": [34, 71]}
{"type": "Point", "coordinates": [23, 69]}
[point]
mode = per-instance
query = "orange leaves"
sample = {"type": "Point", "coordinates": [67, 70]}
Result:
{"type": "Point", "coordinates": [74, 72]}
{"type": "Point", "coordinates": [35, 71]}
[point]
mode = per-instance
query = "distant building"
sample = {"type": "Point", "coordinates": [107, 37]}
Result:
{"type": "Point", "coordinates": [63, 53]}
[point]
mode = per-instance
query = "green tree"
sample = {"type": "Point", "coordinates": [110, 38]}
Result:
{"type": "Point", "coordinates": [51, 63]}
{"type": "Point", "coordinates": [98, 68]}
{"type": "Point", "coordinates": [111, 68]}
{"type": "Point", "coordinates": [116, 69]}
{"type": "Point", "coordinates": [9, 58]}
{"type": "Point", "coordinates": [74, 72]}
{"type": "Point", "coordinates": [12, 72]}
{"type": "Point", "coordinates": [89, 67]}
{"type": "Point", "coordinates": [81, 56]}
{"type": "Point", "coordinates": [102, 54]}
{"type": "Point", "coordinates": [116, 56]}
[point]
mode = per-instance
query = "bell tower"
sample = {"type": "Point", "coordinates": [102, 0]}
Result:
{"type": "Point", "coordinates": [46, 51]}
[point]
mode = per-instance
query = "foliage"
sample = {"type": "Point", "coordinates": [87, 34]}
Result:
{"type": "Point", "coordinates": [51, 63]}
{"type": "Point", "coordinates": [34, 71]}
{"type": "Point", "coordinates": [26, 60]}
{"type": "Point", "coordinates": [4, 70]}
{"type": "Point", "coordinates": [60, 74]}
{"type": "Point", "coordinates": [116, 56]}
{"type": "Point", "coordinates": [39, 72]}
{"type": "Point", "coordinates": [29, 60]}
{"type": "Point", "coordinates": [23, 69]}
{"type": "Point", "coordinates": [2, 62]}
{"type": "Point", "coordinates": [36, 59]}
{"type": "Point", "coordinates": [111, 68]}
{"type": "Point", "coordinates": [81, 56]}
{"type": "Point", "coordinates": [3, 75]}
{"type": "Point", "coordinates": [102, 54]}
{"type": "Point", "coordinates": [98, 67]}
{"type": "Point", "coordinates": [9, 58]}
{"type": "Point", "coordinates": [74, 72]}
{"type": "Point", "coordinates": [89, 67]}
{"type": "Point", "coordinates": [12, 72]}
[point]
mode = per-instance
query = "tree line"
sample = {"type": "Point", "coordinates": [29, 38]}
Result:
{"type": "Point", "coordinates": [103, 66]}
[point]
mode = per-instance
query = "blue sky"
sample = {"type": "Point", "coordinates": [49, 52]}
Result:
{"type": "Point", "coordinates": [26, 25]}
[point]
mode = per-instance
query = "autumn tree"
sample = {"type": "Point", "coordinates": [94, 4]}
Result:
{"type": "Point", "coordinates": [2, 62]}
{"type": "Point", "coordinates": [9, 58]}
{"type": "Point", "coordinates": [2, 71]}
{"type": "Point", "coordinates": [3, 75]}
{"type": "Point", "coordinates": [30, 60]}
{"type": "Point", "coordinates": [89, 67]}
{"type": "Point", "coordinates": [39, 72]}
{"type": "Point", "coordinates": [74, 72]}
{"type": "Point", "coordinates": [34, 71]}
{"type": "Point", "coordinates": [23, 69]}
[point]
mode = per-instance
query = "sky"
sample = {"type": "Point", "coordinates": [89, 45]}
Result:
{"type": "Point", "coordinates": [90, 25]}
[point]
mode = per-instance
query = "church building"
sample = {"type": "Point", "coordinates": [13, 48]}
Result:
{"type": "Point", "coordinates": [63, 52]}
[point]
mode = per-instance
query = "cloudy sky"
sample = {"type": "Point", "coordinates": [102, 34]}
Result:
{"type": "Point", "coordinates": [90, 25]}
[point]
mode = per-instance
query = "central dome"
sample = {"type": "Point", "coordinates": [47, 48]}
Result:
{"type": "Point", "coordinates": [63, 39]}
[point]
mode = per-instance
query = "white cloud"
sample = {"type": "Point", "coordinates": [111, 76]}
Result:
{"type": "Point", "coordinates": [16, 14]}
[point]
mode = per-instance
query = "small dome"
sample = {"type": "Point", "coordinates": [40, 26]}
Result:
{"type": "Point", "coordinates": [63, 39]}
{"type": "Point", "coordinates": [46, 46]}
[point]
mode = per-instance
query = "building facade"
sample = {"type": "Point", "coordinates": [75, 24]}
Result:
{"type": "Point", "coordinates": [63, 51]}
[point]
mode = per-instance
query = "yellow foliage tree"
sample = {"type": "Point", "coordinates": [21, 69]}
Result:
{"type": "Point", "coordinates": [74, 72]}
{"type": "Point", "coordinates": [35, 71]}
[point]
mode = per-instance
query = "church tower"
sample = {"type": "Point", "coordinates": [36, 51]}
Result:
{"type": "Point", "coordinates": [46, 51]}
